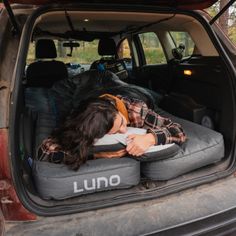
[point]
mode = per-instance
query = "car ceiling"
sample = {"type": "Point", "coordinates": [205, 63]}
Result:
{"type": "Point", "coordinates": [56, 22]}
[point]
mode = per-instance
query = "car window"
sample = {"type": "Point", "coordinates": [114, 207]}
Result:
{"type": "Point", "coordinates": [85, 55]}
{"type": "Point", "coordinates": [31, 54]}
{"type": "Point", "coordinates": [227, 21]}
{"type": "Point", "coordinates": [152, 48]}
{"type": "Point", "coordinates": [185, 39]}
{"type": "Point", "coordinates": [124, 53]}
{"type": "Point", "coordinates": [124, 50]}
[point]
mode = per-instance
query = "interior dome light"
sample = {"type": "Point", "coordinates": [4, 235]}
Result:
{"type": "Point", "coordinates": [188, 72]}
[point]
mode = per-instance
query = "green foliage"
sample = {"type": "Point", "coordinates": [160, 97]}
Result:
{"type": "Point", "coordinates": [152, 48]}
{"type": "Point", "coordinates": [31, 54]}
{"type": "Point", "coordinates": [82, 55]}
{"type": "Point", "coordinates": [154, 56]}
{"type": "Point", "coordinates": [231, 22]}
{"type": "Point", "coordinates": [214, 9]}
{"type": "Point", "coordinates": [232, 34]}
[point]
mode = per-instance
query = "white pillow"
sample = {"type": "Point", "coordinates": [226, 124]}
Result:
{"type": "Point", "coordinates": [116, 142]}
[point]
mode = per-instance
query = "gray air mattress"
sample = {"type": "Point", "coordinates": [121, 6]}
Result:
{"type": "Point", "coordinates": [203, 147]}
{"type": "Point", "coordinates": [57, 181]}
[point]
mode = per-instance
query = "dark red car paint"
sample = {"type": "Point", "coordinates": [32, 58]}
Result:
{"type": "Point", "coordinates": [184, 4]}
{"type": "Point", "coordinates": [11, 207]}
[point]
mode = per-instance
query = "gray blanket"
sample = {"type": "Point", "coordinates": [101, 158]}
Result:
{"type": "Point", "coordinates": [70, 92]}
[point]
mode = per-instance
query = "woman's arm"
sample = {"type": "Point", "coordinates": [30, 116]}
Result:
{"type": "Point", "coordinates": [164, 129]}
{"type": "Point", "coordinates": [161, 130]}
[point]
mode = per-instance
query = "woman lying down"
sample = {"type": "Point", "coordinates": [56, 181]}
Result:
{"type": "Point", "coordinates": [108, 114]}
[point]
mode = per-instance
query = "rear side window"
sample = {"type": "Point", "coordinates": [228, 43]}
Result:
{"type": "Point", "coordinates": [185, 39]}
{"type": "Point", "coordinates": [152, 48]}
{"type": "Point", "coordinates": [124, 50]}
{"type": "Point", "coordinates": [124, 53]}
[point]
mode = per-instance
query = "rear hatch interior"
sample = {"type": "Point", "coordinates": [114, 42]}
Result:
{"type": "Point", "coordinates": [195, 90]}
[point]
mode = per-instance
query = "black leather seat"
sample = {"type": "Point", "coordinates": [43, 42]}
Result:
{"type": "Point", "coordinates": [45, 73]}
{"type": "Point", "coordinates": [109, 61]}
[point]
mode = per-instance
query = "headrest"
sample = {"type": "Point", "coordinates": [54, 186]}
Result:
{"type": "Point", "coordinates": [45, 73]}
{"type": "Point", "coordinates": [106, 47]}
{"type": "Point", "coordinates": [45, 48]}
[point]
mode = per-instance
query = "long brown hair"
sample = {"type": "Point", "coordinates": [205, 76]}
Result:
{"type": "Point", "coordinates": [92, 120]}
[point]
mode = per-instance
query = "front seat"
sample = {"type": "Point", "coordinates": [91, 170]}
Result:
{"type": "Point", "coordinates": [109, 61]}
{"type": "Point", "coordinates": [44, 73]}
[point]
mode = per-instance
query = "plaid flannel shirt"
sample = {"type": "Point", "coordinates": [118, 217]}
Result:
{"type": "Point", "coordinates": [164, 130]}
{"type": "Point", "coordinates": [140, 116]}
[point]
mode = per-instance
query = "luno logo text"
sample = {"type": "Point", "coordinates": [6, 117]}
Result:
{"type": "Point", "coordinates": [97, 183]}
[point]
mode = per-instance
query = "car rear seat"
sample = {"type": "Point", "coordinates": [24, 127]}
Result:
{"type": "Point", "coordinates": [55, 181]}
{"type": "Point", "coordinates": [109, 61]}
{"type": "Point", "coordinates": [40, 76]}
{"type": "Point", "coordinates": [44, 72]}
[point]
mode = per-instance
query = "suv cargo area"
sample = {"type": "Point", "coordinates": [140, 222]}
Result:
{"type": "Point", "coordinates": [170, 59]}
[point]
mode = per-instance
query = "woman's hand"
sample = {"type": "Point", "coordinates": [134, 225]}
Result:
{"type": "Point", "coordinates": [138, 144]}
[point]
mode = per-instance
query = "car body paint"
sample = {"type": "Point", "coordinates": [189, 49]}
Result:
{"type": "Point", "coordinates": [12, 209]}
